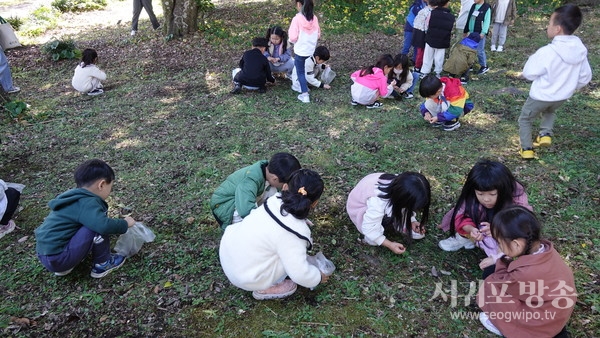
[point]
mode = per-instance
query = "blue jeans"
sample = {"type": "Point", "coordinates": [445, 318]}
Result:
{"type": "Point", "coordinates": [407, 42]}
{"type": "Point", "coordinates": [5, 75]}
{"type": "Point", "coordinates": [301, 72]}
{"type": "Point", "coordinates": [78, 247]}
{"type": "Point", "coordinates": [481, 57]}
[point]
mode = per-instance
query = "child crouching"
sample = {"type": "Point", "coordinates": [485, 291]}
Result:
{"type": "Point", "coordinates": [318, 74]}
{"type": "Point", "coordinates": [446, 100]}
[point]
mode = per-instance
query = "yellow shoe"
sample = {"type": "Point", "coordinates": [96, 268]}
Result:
{"type": "Point", "coordinates": [527, 154]}
{"type": "Point", "coordinates": [543, 141]}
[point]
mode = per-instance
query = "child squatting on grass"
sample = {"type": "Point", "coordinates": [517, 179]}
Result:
{"type": "Point", "coordinates": [557, 71]}
{"type": "Point", "coordinates": [370, 83]}
{"type": "Point", "coordinates": [259, 253]}
{"type": "Point", "coordinates": [532, 291]}
{"type": "Point", "coordinates": [489, 188]}
{"type": "Point", "coordinates": [403, 78]}
{"type": "Point", "coordinates": [78, 224]}
{"type": "Point", "coordinates": [318, 74]}
{"type": "Point", "coordinates": [381, 202]}
{"type": "Point", "coordinates": [236, 197]}
{"type": "Point", "coordinates": [88, 76]}
{"type": "Point", "coordinates": [279, 53]}
{"type": "Point", "coordinates": [254, 69]}
{"type": "Point", "coordinates": [446, 100]}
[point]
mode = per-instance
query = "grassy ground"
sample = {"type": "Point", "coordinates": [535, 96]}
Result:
{"type": "Point", "coordinates": [172, 133]}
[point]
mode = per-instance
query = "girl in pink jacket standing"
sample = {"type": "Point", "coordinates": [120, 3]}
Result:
{"type": "Point", "coordinates": [304, 33]}
{"type": "Point", "coordinates": [370, 83]}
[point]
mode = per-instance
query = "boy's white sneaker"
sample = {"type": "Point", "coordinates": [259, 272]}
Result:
{"type": "Point", "coordinates": [456, 243]}
{"type": "Point", "coordinates": [494, 48]}
{"type": "Point", "coordinates": [304, 98]}
{"type": "Point", "coordinates": [500, 48]}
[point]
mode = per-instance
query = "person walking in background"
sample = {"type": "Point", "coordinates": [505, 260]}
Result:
{"type": "Point", "coordinates": [504, 13]}
{"type": "Point", "coordinates": [137, 10]}
{"type": "Point", "coordinates": [6, 75]}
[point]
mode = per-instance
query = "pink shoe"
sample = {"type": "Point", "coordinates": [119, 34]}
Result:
{"type": "Point", "coordinates": [277, 291]}
{"type": "Point", "coordinates": [8, 228]}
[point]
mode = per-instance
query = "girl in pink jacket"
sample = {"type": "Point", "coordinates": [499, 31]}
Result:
{"type": "Point", "coordinates": [370, 83]}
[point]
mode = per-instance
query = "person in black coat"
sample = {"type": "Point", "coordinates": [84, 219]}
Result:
{"type": "Point", "coordinates": [437, 40]}
{"type": "Point", "coordinates": [254, 70]}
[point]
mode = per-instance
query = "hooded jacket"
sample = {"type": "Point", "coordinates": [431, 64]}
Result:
{"type": "Point", "coordinates": [367, 88]}
{"type": "Point", "coordinates": [304, 34]}
{"type": "Point", "coordinates": [239, 192]}
{"type": "Point", "coordinates": [69, 212]}
{"type": "Point", "coordinates": [558, 69]}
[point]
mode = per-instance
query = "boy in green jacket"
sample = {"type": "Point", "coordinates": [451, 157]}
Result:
{"type": "Point", "coordinates": [78, 223]}
{"type": "Point", "coordinates": [235, 198]}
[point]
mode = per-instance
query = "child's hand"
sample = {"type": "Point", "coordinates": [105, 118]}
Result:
{"type": "Point", "coordinates": [326, 86]}
{"type": "Point", "coordinates": [324, 278]}
{"type": "Point", "coordinates": [130, 221]}
{"type": "Point", "coordinates": [433, 119]}
{"type": "Point", "coordinates": [476, 234]}
{"type": "Point", "coordinates": [484, 227]}
{"type": "Point", "coordinates": [427, 116]}
{"type": "Point", "coordinates": [488, 261]}
{"type": "Point", "coordinates": [394, 247]}
{"type": "Point", "coordinates": [416, 227]}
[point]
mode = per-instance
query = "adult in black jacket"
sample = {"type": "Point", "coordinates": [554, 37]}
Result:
{"type": "Point", "coordinates": [438, 38]}
{"type": "Point", "coordinates": [255, 69]}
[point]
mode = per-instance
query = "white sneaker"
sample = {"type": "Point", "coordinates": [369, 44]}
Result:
{"type": "Point", "coordinates": [494, 48]}
{"type": "Point", "coordinates": [8, 228]}
{"type": "Point", "coordinates": [416, 235]}
{"type": "Point", "coordinates": [304, 98]}
{"type": "Point", "coordinates": [133, 33]}
{"type": "Point", "coordinates": [15, 89]}
{"type": "Point", "coordinates": [456, 243]}
{"type": "Point", "coordinates": [485, 320]}
{"type": "Point", "coordinates": [63, 273]}
{"type": "Point", "coordinates": [500, 48]}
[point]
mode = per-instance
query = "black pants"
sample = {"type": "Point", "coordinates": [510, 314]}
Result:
{"type": "Point", "coordinates": [12, 197]}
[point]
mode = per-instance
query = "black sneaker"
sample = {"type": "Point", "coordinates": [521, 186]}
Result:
{"type": "Point", "coordinates": [464, 80]}
{"type": "Point", "coordinates": [375, 105]}
{"type": "Point", "coordinates": [101, 270]}
{"type": "Point", "coordinates": [95, 92]}
{"type": "Point", "coordinates": [354, 103]}
{"type": "Point", "coordinates": [236, 89]}
{"type": "Point", "coordinates": [450, 125]}
{"type": "Point", "coordinates": [408, 95]}
{"type": "Point", "coordinates": [483, 70]}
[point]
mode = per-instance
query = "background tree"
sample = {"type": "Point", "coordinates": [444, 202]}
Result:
{"type": "Point", "coordinates": [182, 16]}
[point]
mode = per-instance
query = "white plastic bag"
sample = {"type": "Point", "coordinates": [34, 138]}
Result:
{"type": "Point", "coordinates": [325, 265]}
{"type": "Point", "coordinates": [131, 242]}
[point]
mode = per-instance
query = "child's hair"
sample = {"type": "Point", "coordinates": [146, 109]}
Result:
{"type": "Point", "coordinates": [407, 193]}
{"type": "Point", "coordinates": [260, 42]}
{"type": "Point", "coordinates": [383, 61]}
{"type": "Point", "coordinates": [486, 175]}
{"type": "Point", "coordinates": [92, 170]}
{"type": "Point", "coordinates": [281, 33]}
{"type": "Point", "coordinates": [283, 165]}
{"type": "Point", "coordinates": [322, 52]}
{"type": "Point", "coordinates": [429, 85]}
{"type": "Point", "coordinates": [514, 223]}
{"type": "Point", "coordinates": [400, 59]}
{"type": "Point", "coordinates": [441, 3]}
{"type": "Point", "coordinates": [88, 56]}
{"type": "Point", "coordinates": [433, 3]}
{"type": "Point", "coordinates": [307, 8]}
{"type": "Point", "coordinates": [568, 17]}
{"type": "Point", "coordinates": [304, 188]}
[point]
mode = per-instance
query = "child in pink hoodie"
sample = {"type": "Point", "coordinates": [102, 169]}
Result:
{"type": "Point", "coordinates": [304, 33]}
{"type": "Point", "coordinates": [370, 83]}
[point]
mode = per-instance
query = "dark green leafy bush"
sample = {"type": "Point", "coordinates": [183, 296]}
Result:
{"type": "Point", "coordinates": [61, 49]}
{"type": "Point", "coordinates": [78, 5]}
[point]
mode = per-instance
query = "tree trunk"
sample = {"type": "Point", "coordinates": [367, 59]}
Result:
{"type": "Point", "coordinates": [181, 17]}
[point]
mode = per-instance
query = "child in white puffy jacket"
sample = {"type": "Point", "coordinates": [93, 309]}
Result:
{"type": "Point", "coordinates": [87, 75]}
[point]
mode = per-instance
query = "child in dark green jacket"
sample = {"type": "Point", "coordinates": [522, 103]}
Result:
{"type": "Point", "coordinates": [78, 223]}
{"type": "Point", "coordinates": [235, 198]}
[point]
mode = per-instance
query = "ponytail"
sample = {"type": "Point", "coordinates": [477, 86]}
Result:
{"type": "Point", "coordinates": [304, 188]}
{"type": "Point", "coordinates": [307, 8]}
